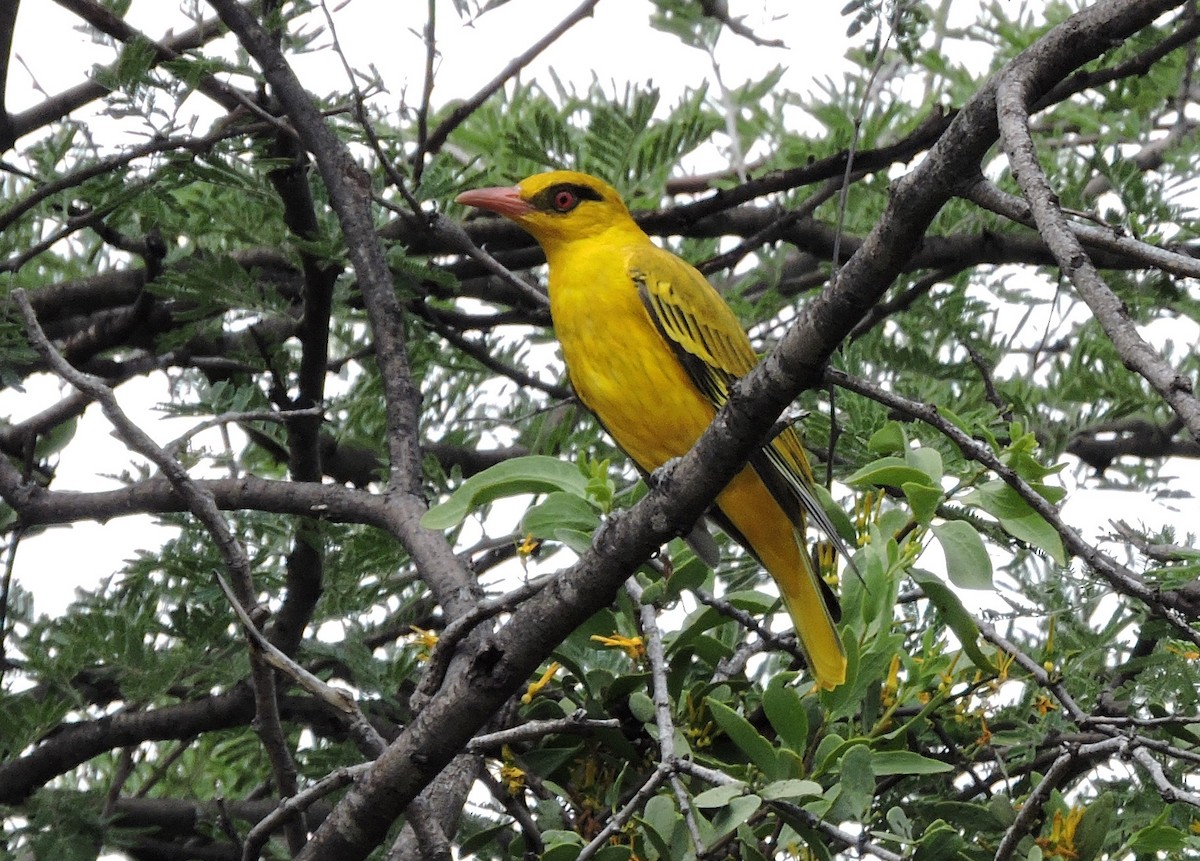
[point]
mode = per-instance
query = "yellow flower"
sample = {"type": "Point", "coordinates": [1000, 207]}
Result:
{"type": "Point", "coordinates": [1061, 842]}
{"type": "Point", "coordinates": [1188, 654]}
{"type": "Point", "coordinates": [700, 735]}
{"type": "Point", "coordinates": [535, 687]}
{"type": "Point", "coordinates": [1004, 661]}
{"type": "Point", "coordinates": [426, 639]}
{"type": "Point", "coordinates": [528, 547]}
{"type": "Point", "coordinates": [866, 512]}
{"type": "Point", "coordinates": [512, 776]}
{"type": "Point", "coordinates": [892, 685]}
{"type": "Point", "coordinates": [632, 646]}
{"type": "Point", "coordinates": [1044, 704]}
{"type": "Point", "coordinates": [985, 734]}
{"type": "Point", "coordinates": [827, 562]}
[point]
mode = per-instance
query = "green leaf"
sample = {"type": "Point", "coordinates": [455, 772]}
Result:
{"type": "Point", "coordinates": [785, 711]}
{"type": "Point", "coordinates": [923, 499]}
{"type": "Point", "coordinates": [1094, 827]}
{"type": "Point", "coordinates": [856, 787]}
{"type": "Point", "coordinates": [1158, 837]}
{"type": "Point", "coordinates": [940, 842]}
{"type": "Point", "coordinates": [688, 572]}
{"type": "Point", "coordinates": [532, 474]}
{"type": "Point", "coordinates": [928, 460]}
{"type": "Point", "coordinates": [735, 813]}
{"type": "Point", "coordinates": [614, 853]}
{"type": "Point", "coordinates": [887, 472]}
{"type": "Point", "coordinates": [55, 439]}
{"type": "Point", "coordinates": [967, 560]}
{"type": "Point", "coordinates": [659, 818]}
{"type": "Point", "coordinates": [481, 839]}
{"type": "Point", "coordinates": [885, 762]}
{"type": "Point", "coordinates": [964, 816]}
{"type": "Point", "coordinates": [642, 706]}
{"type": "Point", "coordinates": [792, 788]}
{"type": "Point", "coordinates": [578, 541]}
{"type": "Point", "coordinates": [745, 736]}
{"type": "Point", "coordinates": [719, 796]}
{"type": "Point", "coordinates": [955, 615]}
{"type": "Point", "coordinates": [557, 511]}
{"type": "Point", "coordinates": [888, 439]}
{"type": "Point", "coordinates": [560, 851]}
{"type": "Point", "coordinates": [1017, 518]}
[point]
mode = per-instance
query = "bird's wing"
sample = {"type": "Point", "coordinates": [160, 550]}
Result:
{"type": "Point", "coordinates": [709, 342]}
{"type": "Point", "coordinates": [694, 320]}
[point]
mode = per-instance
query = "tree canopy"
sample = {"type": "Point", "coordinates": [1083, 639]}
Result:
{"type": "Point", "coordinates": [413, 602]}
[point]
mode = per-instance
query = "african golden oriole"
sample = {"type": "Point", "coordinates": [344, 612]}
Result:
{"type": "Point", "coordinates": [652, 350]}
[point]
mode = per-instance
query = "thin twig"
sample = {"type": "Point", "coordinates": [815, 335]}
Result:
{"type": "Point", "coordinates": [577, 722]}
{"type": "Point", "coordinates": [202, 504]}
{"type": "Point", "coordinates": [661, 695]}
{"type": "Point", "coordinates": [987, 194]}
{"type": "Point", "coordinates": [464, 110]}
{"type": "Point", "coordinates": [1170, 792]}
{"type": "Point", "coordinates": [418, 163]}
{"type": "Point", "coordinates": [618, 819]}
{"type": "Point", "coordinates": [847, 174]}
{"type": "Point", "coordinates": [330, 783]}
{"type": "Point", "coordinates": [342, 702]}
{"type": "Point", "coordinates": [175, 446]}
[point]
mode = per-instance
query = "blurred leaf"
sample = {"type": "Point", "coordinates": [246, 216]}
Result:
{"type": "Point", "coordinates": [719, 796]}
{"type": "Point", "coordinates": [885, 762]}
{"type": "Point", "coordinates": [888, 439]}
{"type": "Point", "coordinates": [886, 472]}
{"type": "Point", "coordinates": [1017, 518]}
{"type": "Point", "coordinates": [532, 474]}
{"type": "Point", "coordinates": [923, 499]}
{"type": "Point", "coordinates": [787, 790]}
{"type": "Point", "coordinates": [785, 711]}
{"type": "Point", "coordinates": [1095, 826]}
{"type": "Point", "coordinates": [760, 751]}
{"type": "Point", "coordinates": [955, 616]}
{"type": "Point", "coordinates": [559, 511]}
{"type": "Point", "coordinates": [967, 560]}
{"type": "Point", "coordinates": [737, 811]}
{"type": "Point", "coordinates": [856, 784]}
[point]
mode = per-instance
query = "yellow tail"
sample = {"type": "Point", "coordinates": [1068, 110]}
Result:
{"type": "Point", "coordinates": [780, 546]}
{"type": "Point", "coordinates": [805, 602]}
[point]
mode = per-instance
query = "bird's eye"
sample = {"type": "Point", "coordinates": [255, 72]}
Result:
{"type": "Point", "coordinates": [565, 200]}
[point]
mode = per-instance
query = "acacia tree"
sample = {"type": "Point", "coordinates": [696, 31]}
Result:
{"type": "Point", "coordinates": [982, 296]}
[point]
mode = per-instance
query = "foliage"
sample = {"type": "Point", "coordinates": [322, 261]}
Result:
{"type": "Point", "coordinates": [1022, 677]}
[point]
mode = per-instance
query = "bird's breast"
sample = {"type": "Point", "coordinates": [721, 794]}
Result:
{"type": "Point", "coordinates": [619, 363]}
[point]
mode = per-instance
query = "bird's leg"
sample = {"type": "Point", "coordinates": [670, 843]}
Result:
{"type": "Point", "coordinates": [697, 536]}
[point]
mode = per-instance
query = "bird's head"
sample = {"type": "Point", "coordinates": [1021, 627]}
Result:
{"type": "Point", "coordinates": [557, 207]}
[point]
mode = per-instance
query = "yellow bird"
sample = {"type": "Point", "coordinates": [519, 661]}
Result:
{"type": "Point", "coordinates": [652, 350]}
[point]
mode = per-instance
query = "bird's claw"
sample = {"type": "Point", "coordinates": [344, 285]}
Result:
{"type": "Point", "coordinates": [660, 479]}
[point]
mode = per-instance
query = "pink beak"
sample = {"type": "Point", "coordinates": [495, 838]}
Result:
{"type": "Point", "coordinates": [504, 200]}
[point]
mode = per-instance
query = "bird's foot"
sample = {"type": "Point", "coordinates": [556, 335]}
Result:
{"type": "Point", "coordinates": [660, 479]}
